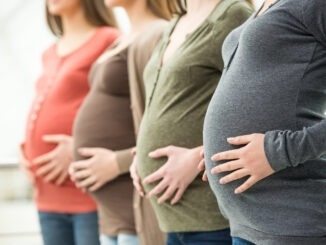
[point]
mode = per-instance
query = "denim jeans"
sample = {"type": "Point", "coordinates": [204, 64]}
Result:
{"type": "Point", "coordinates": [69, 229]}
{"type": "Point", "coordinates": [220, 237]}
{"type": "Point", "coordinates": [240, 241]}
{"type": "Point", "coordinates": [121, 239]}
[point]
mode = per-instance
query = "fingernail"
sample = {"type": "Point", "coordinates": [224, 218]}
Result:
{"type": "Point", "coordinates": [215, 158]}
{"type": "Point", "coordinates": [237, 191]}
{"type": "Point", "coordinates": [230, 139]}
{"type": "Point", "coordinates": [151, 154]}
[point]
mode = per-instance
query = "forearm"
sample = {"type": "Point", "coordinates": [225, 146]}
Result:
{"type": "Point", "coordinates": [289, 149]}
{"type": "Point", "coordinates": [124, 160]}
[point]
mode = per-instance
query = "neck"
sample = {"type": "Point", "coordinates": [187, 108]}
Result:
{"type": "Point", "coordinates": [196, 6]}
{"type": "Point", "coordinates": [140, 15]}
{"type": "Point", "coordinates": [75, 23]}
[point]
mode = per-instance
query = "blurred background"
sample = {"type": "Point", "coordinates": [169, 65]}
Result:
{"type": "Point", "coordinates": [23, 37]}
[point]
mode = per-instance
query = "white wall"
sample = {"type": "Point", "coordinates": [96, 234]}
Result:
{"type": "Point", "coordinates": [23, 37]}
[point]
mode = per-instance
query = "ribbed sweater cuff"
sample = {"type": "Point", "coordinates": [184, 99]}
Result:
{"type": "Point", "coordinates": [124, 159]}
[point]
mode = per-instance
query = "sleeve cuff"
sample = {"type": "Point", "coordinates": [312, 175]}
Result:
{"type": "Point", "coordinates": [275, 150]}
{"type": "Point", "coordinates": [124, 160]}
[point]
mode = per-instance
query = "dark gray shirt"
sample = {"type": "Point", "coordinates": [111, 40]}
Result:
{"type": "Point", "coordinates": [274, 82]}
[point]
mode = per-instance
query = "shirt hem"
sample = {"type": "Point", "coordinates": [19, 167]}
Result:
{"type": "Point", "coordinates": [263, 238]}
{"type": "Point", "coordinates": [196, 228]}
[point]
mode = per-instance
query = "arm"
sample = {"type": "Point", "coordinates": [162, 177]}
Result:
{"type": "Point", "coordinates": [124, 159]}
{"type": "Point", "coordinates": [289, 149]}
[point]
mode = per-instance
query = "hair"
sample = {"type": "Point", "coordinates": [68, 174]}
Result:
{"type": "Point", "coordinates": [95, 11]}
{"type": "Point", "coordinates": [179, 7]}
{"type": "Point", "coordinates": [160, 8]}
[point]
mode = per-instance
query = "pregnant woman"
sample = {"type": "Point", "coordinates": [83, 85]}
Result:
{"type": "Point", "coordinates": [67, 215]}
{"type": "Point", "coordinates": [265, 128]}
{"type": "Point", "coordinates": [104, 130]}
{"type": "Point", "coordinates": [180, 79]}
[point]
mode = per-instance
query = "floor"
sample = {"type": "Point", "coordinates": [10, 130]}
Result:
{"type": "Point", "coordinates": [19, 224]}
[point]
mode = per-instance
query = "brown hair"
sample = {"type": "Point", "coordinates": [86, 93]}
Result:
{"type": "Point", "coordinates": [162, 8]}
{"type": "Point", "coordinates": [95, 13]}
{"type": "Point", "coordinates": [177, 7]}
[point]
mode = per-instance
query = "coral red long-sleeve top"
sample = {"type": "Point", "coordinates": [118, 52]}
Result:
{"type": "Point", "coordinates": [60, 91]}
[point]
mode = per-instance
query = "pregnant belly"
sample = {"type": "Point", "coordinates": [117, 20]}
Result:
{"type": "Point", "coordinates": [160, 133]}
{"type": "Point", "coordinates": [101, 123]}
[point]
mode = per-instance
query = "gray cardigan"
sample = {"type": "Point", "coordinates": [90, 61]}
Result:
{"type": "Point", "coordinates": [274, 82]}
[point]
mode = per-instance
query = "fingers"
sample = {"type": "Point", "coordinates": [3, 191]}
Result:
{"type": "Point", "coordinates": [226, 155]}
{"type": "Point", "coordinates": [79, 165]}
{"type": "Point", "coordinates": [234, 176]}
{"type": "Point", "coordinates": [240, 140]}
{"type": "Point", "coordinates": [46, 168]}
{"type": "Point", "coordinates": [157, 175]}
{"type": "Point", "coordinates": [138, 187]}
{"type": "Point", "coordinates": [167, 194]}
{"type": "Point", "coordinates": [133, 151]}
{"type": "Point", "coordinates": [204, 177]}
{"type": "Point", "coordinates": [81, 174]}
{"type": "Point", "coordinates": [88, 152]}
{"type": "Point", "coordinates": [62, 178]}
{"type": "Point", "coordinates": [177, 196]}
{"type": "Point", "coordinates": [201, 165]}
{"type": "Point", "coordinates": [135, 178]}
{"type": "Point", "coordinates": [158, 189]}
{"type": "Point", "coordinates": [246, 185]}
{"type": "Point", "coordinates": [226, 167]}
{"type": "Point", "coordinates": [56, 138]}
{"type": "Point", "coordinates": [52, 175]}
{"type": "Point", "coordinates": [202, 153]}
{"type": "Point", "coordinates": [86, 182]}
{"type": "Point", "coordinates": [44, 158]}
{"type": "Point", "coordinates": [160, 152]}
{"type": "Point", "coordinates": [95, 187]}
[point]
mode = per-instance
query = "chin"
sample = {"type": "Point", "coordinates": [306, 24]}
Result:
{"type": "Point", "coordinates": [116, 3]}
{"type": "Point", "coordinates": [59, 7]}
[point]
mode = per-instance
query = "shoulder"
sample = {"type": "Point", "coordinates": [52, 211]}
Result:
{"type": "Point", "coordinates": [228, 9]}
{"type": "Point", "coordinates": [107, 34]}
{"type": "Point", "coordinates": [313, 9]}
{"type": "Point", "coordinates": [49, 52]}
{"type": "Point", "coordinates": [314, 18]}
{"type": "Point", "coordinates": [152, 35]}
{"type": "Point", "coordinates": [239, 7]}
{"type": "Point", "coordinates": [232, 14]}
{"type": "Point", "coordinates": [149, 38]}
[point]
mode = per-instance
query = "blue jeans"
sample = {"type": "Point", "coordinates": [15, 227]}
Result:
{"type": "Point", "coordinates": [240, 241]}
{"type": "Point", "coordinates": [121, 239]}
{"type": "Point", "coordinates": [69, 229]}
{"type": "Point", "coordinates": [221, 237]}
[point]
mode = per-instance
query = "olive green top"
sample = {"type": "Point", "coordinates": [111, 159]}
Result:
{"type": "Point", "coordinates": [177, 96]}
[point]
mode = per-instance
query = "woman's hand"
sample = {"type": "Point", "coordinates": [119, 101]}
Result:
{"type": "Point", "coordinates": [201, 166]}
{"type": "Point", "coordinates": [249, 160]}
{"type": "Point", "coordinates": [176, 174]}
{"type": "Point", "coordinates": [93, 173]}
{"type": "Point", "coordinates": [134, 175]}
{"type": "Point", "coordinates": [53, 166]}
